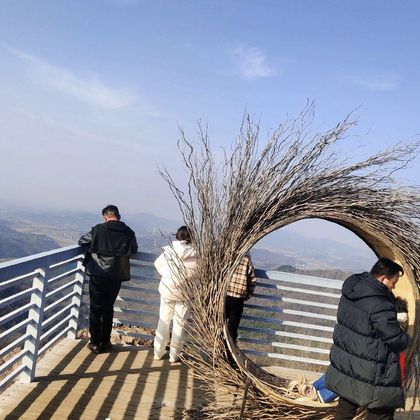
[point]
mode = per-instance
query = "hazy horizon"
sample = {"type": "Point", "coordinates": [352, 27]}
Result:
{"type": "Point", "coordinates": [92, 95]}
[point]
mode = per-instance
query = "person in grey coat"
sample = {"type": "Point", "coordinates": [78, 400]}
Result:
{"type": "Point", "coordinates": [368, 338]}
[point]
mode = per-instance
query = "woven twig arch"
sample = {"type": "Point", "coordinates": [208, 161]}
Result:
{"type": "Point", "coordinates": [236, 199]}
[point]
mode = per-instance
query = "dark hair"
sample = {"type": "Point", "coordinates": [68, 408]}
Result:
{"type": "Point", "coordinates": [111, 210]}
{"type": "Point", "coordinates": [386, 267]}
{"type": "Point", "coordinates": [183, 234]}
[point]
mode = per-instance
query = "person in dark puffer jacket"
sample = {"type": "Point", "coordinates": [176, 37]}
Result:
{"type": "Point", "coordinates": [368, 338]}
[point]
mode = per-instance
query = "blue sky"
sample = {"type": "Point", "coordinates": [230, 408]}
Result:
{"type": "Point", "coordinates": [92, 92]}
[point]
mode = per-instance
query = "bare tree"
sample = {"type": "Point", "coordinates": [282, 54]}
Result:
{"type": "Point", "coordinates": [234, 200]}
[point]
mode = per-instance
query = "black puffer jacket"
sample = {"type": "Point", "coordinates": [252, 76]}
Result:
{"type": "Point", "coordinates": [367, 341]}
{"type": "Point", "coordinates": [109, 246]}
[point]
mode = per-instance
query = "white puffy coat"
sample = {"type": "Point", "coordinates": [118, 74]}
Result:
{"type": "Point", "coordinates": [168, 263]}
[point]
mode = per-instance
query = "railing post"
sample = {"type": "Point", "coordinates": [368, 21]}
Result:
{"type": "Point", "coordinates": [76, 312]}
{"type": "Point", "coordinates": [36, 315]}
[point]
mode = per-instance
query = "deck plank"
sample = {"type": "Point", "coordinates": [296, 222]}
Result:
{"type": "Point", "coordinates": [73, 383]}
{"type": "Point", "coordinates": [127, 383]}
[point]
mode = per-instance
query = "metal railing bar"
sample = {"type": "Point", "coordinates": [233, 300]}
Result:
{"type": "Point", "coordinates": [291, 312]}
{"type": "Point", "coordinates": [55, 327]}
{"type": "Point", "coordinates": [301, 348]}
{"type": "Point", "coordinates": [299, 279]}
{"type": "Point", "coordinates": [17, 296]}
{"type": "Point", "coordinates": [9, 283]}
{"type": "Point", "coordinates": [298, 301]}
{"type": "Point", "coordinates": [15, 328]}
{"type": "Point", "coordinates": [12, 361]}
{"type": "Point", "coordinates": [270, 332]}
{"type": "Point", "coordinates": [76, 258]}
{"type": "Point", "coordinates": [61, 288]}
{"type": "Point", "coordinates": [290, 323]}
{"type": "Point", "coordinates": [57, 314]}
{"type": "Point", "coordinates": [16, 313]}
{"type": "Point", "coordinates": [13, 344]}
{"type": "Point", "coordinates": [298, 290]}
{"type": "Point", "coordinates": [284, 345]}
{"type": "Point", "coordinates": [287, 357]}
{"type": "Point", "coordinates": [63, 275]}
{"type": "Point", "coordinates": [21, 266]}
{"type": "Point", "coordinates": [56, 338]}
{"type": "Point", "coordinates": [57, 302]}
{"type": "Point", "coordinates": [310, 303]}
{"type": "Point", "coordinates": [135, 311]}
{"type": "Point", "coordinates": [11, 376]}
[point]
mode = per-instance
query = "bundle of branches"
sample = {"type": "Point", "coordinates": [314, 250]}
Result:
{"type": "Point", "coordinates": [235, 198]}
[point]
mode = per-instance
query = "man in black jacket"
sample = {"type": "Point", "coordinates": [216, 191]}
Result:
{"type": "Point", "coordinates": [107, 261]}
{"type": "Point", "coordinates": [364, 368]}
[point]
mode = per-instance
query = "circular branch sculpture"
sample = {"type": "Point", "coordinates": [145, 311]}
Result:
{"type": "Point", "coordinates": [234, 200]}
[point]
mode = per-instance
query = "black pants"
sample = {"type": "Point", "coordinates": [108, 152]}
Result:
{"type": "Point", "coordinates": [234, 307]}
{"type": "Point", "coordinates": [102, 293]}
{"type": "Point", "coordinates": [346, 410]}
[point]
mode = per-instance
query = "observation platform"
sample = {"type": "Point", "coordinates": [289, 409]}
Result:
{"type": "Point", "coordinates": [46, 373]}
{"type": "Point", "coordinates": [127, 383]}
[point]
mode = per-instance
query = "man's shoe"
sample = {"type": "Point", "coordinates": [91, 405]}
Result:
{"type": "Point", "coordinates": [94, 348]}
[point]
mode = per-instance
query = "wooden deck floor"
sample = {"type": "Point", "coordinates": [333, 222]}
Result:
{"type": "Point", "coordinates": [74, 383]}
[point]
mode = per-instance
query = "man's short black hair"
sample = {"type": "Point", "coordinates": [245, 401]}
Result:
{"type": "Point", "coordinates": [111, 210]}
{"type": "Point", "coordinates": [183, 234]}
{"type": "Point", "coordinates": [386, 267]}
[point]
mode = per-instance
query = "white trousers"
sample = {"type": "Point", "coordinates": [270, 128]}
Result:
{"type": "Point", "coordinates": [170, 310]}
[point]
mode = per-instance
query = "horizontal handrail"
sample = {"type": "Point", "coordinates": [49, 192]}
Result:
{"type": "Point", "coordinates": [298, 290]}
{"type": "Point", "coordinates": [299, 279]}
{"type": "Point", "coordinates": [21, 266]}
{"type": "Point", "coordinates": [285, 296]}
{"type": "Point", "coordinates": [13, 345]}
{"type": "Point", "coordinates": [63, 275]}
{"type": "Point", "coordinates": [292, 312]}
{"type": "Point", "coordinates": [287, 357]}
{"type": "Point", "coordinates": [61, 300]}
{"type": "Point", "coordinates": [15, 328]}
{"type": "Point", "coordinates": [5, 366]}
{"type": "Point", "coordinates": [270, 332]}
{"type": "Point", "coordinates": [61, 288]}
{"type": "Point", "coordinates": [17, 296]}
{"type": "Point", "coordinates": [15, 313]}
{"type": "Point", "coordinates": [5, 284]}
{"type": "Point", "coordinates": [56, 327]}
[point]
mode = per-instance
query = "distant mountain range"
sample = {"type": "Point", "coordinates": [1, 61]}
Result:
{"type": "Point", "coordinates": [289, 248]}
{"type": "Point", "coordinates": [25, 232]}
{"type": "Point", "coordinates": [14, 244]}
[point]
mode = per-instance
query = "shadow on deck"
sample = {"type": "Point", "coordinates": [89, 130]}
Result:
{"type": "Point", "coordinates": [73, 383]}
{"type": "Point", "coordinates": [127, 383]}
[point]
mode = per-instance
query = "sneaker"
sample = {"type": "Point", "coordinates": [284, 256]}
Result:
{"type": "Point", "coordinates": [174, 360]}
{"type": "Point", "coordinates": [94, 348]}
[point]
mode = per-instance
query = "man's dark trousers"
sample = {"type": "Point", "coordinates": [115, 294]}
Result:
{"type": "Point", "coordinates": [234, 307]}
{"type": "Point", "coordinates": [346, 410]}
{"type": "Point", "coordinates": [102, 293]}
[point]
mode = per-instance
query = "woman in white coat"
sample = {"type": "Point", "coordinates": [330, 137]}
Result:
{"type": "Point", "coordinates": [173, 264]}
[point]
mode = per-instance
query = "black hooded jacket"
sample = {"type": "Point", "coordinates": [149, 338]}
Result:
{"type": "Point", "coordinates": [110, 245]}
{"type": "Point", "coordinates": [367, 341]}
